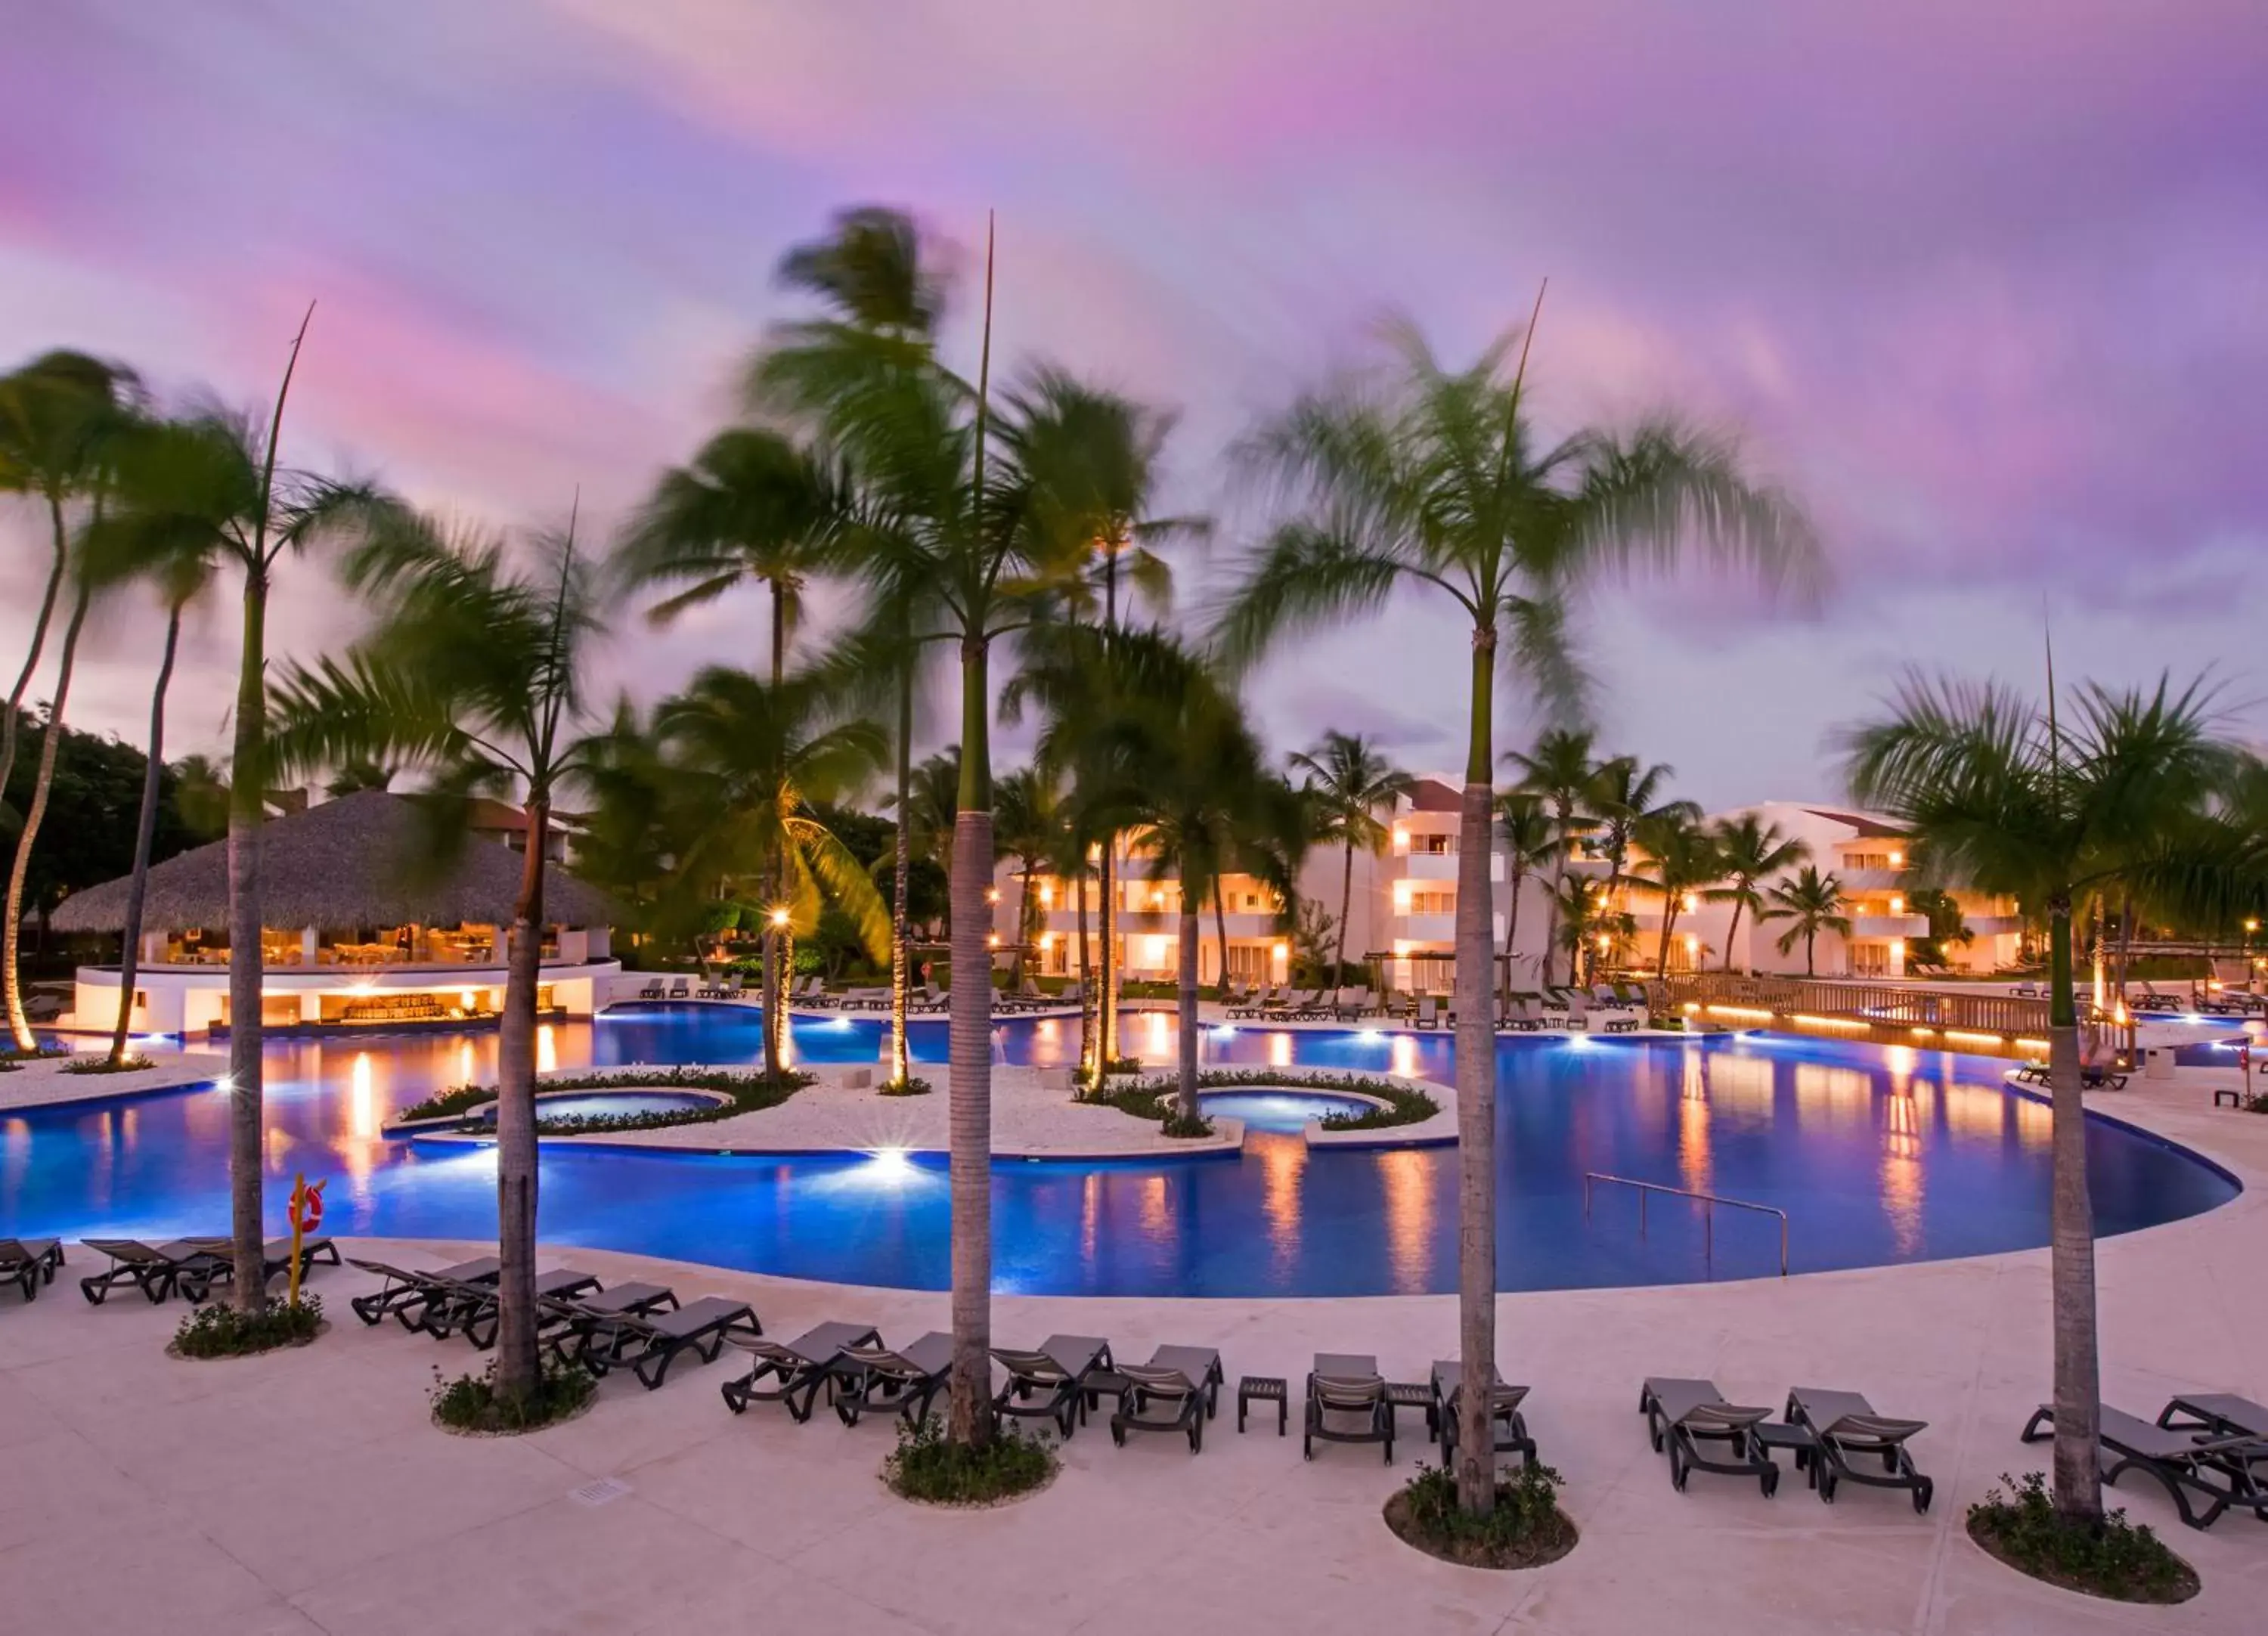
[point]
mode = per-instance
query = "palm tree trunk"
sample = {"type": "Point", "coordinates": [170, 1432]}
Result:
{"type": "Point", "coordinates": [145, 833]}
{"type": "Point", "coordinates": [2126, 940]}
{"type": "Point", "coordinates": [1106, 1001]}
{"type": "Point", "coordinates": [2070, 1262]}
{"type": "Point", "coordinates": [1733, 934]}
{"type": "Point", "coordinates": [970, 1112]}
{"type": "Point", "coordinates": [1476, 1471]}
{"type": "Point", "coordinates": [246, 808]}
{"type": "Point", "coordinates": [1186, 963]}
{"type": "Point", "coordinates": [901, 1065]}
{"type": "Point", "coordinates": [47, 600]}
{"type": "Point", "coordinates": [1347, 907]}
{"type": "Point", "coordinates": [515, 1135]}
{"type": "Point", "coordinates": [1810, 937]}
{"type": "Point", "coordinates": [1512, 929]}
{"type": "Point", "coordinates": [19, 1026]}
{"type": "Point", "coordinates": [771, 980]}
{"type": "Point", "coordinates": [1563, 816]}
{"type": "Point", "coordinates": [1086, 1056]}
{"type": "Point", "coordinates": [1668, 924]}
{"type": "Point", "coordinates": [1220, 932]}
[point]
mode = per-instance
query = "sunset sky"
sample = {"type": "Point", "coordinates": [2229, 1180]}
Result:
{"type": "Point", "coordinates": [1984, 283]}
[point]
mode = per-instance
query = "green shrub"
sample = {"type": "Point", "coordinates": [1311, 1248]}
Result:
{"type": "Point", "coordinates": [1524, 1529]}
{"type": "Point", "coordinates": [469, 1403]}
{"type": "Point", "coordinates": [1152, 1098]}
{"type": "Point", "coordinates": [746, 1093]}
{"type": "Point", "coordinates": [219, 1331]}
{"type": "Point", "coordinates": [2115, 1558]}
{"type": "Point", "coordinates": [926, 1466]}
{"type": "Point", "coordinates": [103, 1064]}
{"type": "Point", "coordinates": [912, 1084]}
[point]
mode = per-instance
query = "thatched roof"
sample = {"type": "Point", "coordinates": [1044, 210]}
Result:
{"type": "Point", "coordinates": [362, 860]}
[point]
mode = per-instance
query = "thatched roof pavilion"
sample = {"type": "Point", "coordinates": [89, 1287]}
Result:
{"type": "Point", "coordinates": [362, 860]}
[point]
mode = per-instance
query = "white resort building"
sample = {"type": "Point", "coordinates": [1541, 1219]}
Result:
{"type": "Point", "coordinates": [365, 929]}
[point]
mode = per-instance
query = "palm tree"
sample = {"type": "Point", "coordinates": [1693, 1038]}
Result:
{"type": "Point", "coordinates": [1027, 827]}
{"type": "Point", "coordinates": [181, 568]}
{"type": "Point", "coordinates": [473, 676]}
{"type": "Point", "coordinates": [56, 413]}
{"type": "Point", "coordinates": [1749, 852]}
{"type": "Point", "coordinates": [1531, 840]}
{"type": "Point", "coordinates": [933, 805]}
{"type": "Point", "coordinates": [1349, 783]}
{"type": "Point", "coordinates": [1559, 772]}
{"type": "Point", "coordinates": [1684, 857]}
{"type": "Point", "coordinates": [1997, 791]}
{"type": "Point", "coordinates": [219, 491]}
{"type": "Point", "coordinates": [61, 416]}
{"type": "Point", "coordinates": [1814, 902]}
{"type": "Point", "coordinates": [755, 757]}
{"type": "Point", "coordinates": [754, 506]}
{"type": "Point", "coordinates": [953, 558]}
{"type": "Point", "coordinates": [1436, 480]}
{"type": "Point", "coordinates": [1581, 912]}
{"type": "Point", "coordinates": [1154, 725]}
{"type": "Point", "coordinates": [1623, 792]}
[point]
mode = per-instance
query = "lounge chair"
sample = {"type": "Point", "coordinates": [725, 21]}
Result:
{"type": "Point", "coordinates": [1552, 1006]}
{"type": "Point", "coordinates": [1253, 1005]}
{"type": "Point", "coordinates": [1428, 1014]}
{"type": "Point", "coordinates": [799, 1368]}
{"type": "Point", "coordinates": [403, 1288]}
{"type": "Point", "coordinates": [1512, 1435]}
{"type": "Point", "coordinates": [275, 1256]}
{"type": "Point", "coordinates": [651, 990]}
{"type": "Point", "coordinates": [907, 1378]}
{"type": "Point", "coordinates": [650, 1342]}
{"type": "Point", "coordinates": [2218, 1471]}
{"type": "Point", "coordinates": [1050, 1383]}
{"type": "Point", "coordinates": [1184, 1381]}
{"type": "Point", "coordinates": [2223, 1414]}
{"type": "Point", "coordinates": [186, 1265]}
{"type": "Point", "coordinates": [476, 1310]}
{"type": "Point", "coordinates": [1681, 1415]}
{"type": "Point", "coordinates": [1845, 1425]}
{"type": "Point", "coordinates": [29, 1263]}
{"type": "Point", "coordinates": [2031, 1073]}
{"type": "Point", "coordinates": [1348, 1385]}
{"type": "Point", "coordinates": [1352, 1005]}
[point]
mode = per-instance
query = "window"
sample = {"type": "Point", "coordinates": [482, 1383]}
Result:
{"type": "Point", "coordinates": [1433, 845]}
{"type": "Point", "coordinates": [1427, 903]}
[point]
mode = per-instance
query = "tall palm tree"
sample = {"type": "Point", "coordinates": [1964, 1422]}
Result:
{"type": "Point", "coordinates": [754, 506]}
{"type": "Point", "coordinates": [1750, 851]}
{"type": "Point", "coordinates": [1682, 855]}
{"type": "Point", "coordinates": [1813, 903]}
{"type": "Point", "coordinates": [473, 676]}
{"type": "Point", "coordinates": [1531, 842]}
{"type": "Point", "coordinates": [181, 568]}
{"type": "Point", "coordinates": [1433, 478]}
{"type": "Point", "coordinates": [2050, 804]}
{"type": "Point", "coordinates": [60, 418]}
{"type": "Point", "coordinates": [220, 490]}
{"type": "Point", "coordinates": [953, 559]}
{"type": "Point", "coordinates": [1349, 783]}
{"type": "Point", "coordinates": [1560, 772]}
{"type": "Point", "coordinates": [756, 758]}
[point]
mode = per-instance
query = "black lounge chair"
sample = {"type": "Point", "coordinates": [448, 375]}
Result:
{"type": "Point", "coordinates": [1185, 1380]}
{"type": "Point", "coordinates": [1681, 1415]}
{"type": "Point", "coordinates": [275, 1256]}
{"type": "Point", "coordinates": [2224, 1414]}
{"type": "Point", "coordinates": [799, 1367]}
{"type": "Point", "coordinates": [29, 1263]}
{"type": "Point", "coordinates": [1512, 1435]}
{"type": "Point", "coordinates": [1346, 1384]}
{"type": "Point", "coordinates": [402, 1287]}
{"type": "Point", "coordinates": [2220, 1471]}
{"type": "Point", "coordinates": [1050, 1383]}
{"type": "Point", "coordinates": [186, 1265]}
{"type": "Point", "coordinates": [649, 1343]}
{"type": "Point", "coordinates": [476, 1309]}
{"type": "Point", "coordinates": [1844, 1425]}
{"type": "Point", "coordinates": [907, 1378]}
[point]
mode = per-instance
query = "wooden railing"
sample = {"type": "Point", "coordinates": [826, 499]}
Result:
{"type": "Point", "coordinates": [1877, 1004]}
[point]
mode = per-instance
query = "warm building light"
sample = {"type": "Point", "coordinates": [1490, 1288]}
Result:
{"type": "Point", "coordinates": [1692, 901]}
{"type": "Point", "coordinates": [991, 894]}
{"type": "Point", "coordinates": [1606, 940]}
{"type": "Point", "coordinates": [1283, 951]}
{"type": "Point", "coordinates": [779, 917]}
{"type": "Point", "coordinates": [1897, 860]}
{"type": "Point", "coordinates": [2251, 926]}
{"type": "Point", "coordinates": [1755, 1013]}
{"type": "Point", "coordinates": [992, 939]}
{"type": "Point", "coordinates": [1964, 1036]}
{"type": "Point", "coordinates": [1047, 895]}
{"type": "Point", "coordinates": [1047, 941]}
{"type": "Point", "coordinates": [1897, 904]}
{"type": "Point", "coordinates": [468, 1000]}
{"type": "Point", "coordinates": [2032, 1045]}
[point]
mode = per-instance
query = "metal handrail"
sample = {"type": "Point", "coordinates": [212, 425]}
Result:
{"type": "Point", "coordinates": [1708, 1216]}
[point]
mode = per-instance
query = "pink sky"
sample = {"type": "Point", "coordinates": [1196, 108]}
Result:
{"type": "Point", "coordinates": [1986, 283]}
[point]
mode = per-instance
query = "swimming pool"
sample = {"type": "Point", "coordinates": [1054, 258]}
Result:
{"type": "Point", "coordinates": [1877, 1154]}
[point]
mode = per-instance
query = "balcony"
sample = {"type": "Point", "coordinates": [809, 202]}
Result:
{"type": "Point", "coordinates": [1890, 925]}
{"type": "Point", "coordinates": [1424, 928]}
{"type": "Point", "coordinates": [1856, 880]}
{"type": "Point", "coordinates": [1995, 925]}
{"type": "Point", "coordinates": [1428, 865]}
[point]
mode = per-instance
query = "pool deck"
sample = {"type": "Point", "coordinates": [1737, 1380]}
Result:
{"type": "Point", "coordinates": [45, 1084]}
{"type": "Point", "coordinates": [306, 1492]}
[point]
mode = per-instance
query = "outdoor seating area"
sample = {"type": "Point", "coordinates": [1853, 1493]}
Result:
{"type": "Point", "coordinates": [2210, 1454]}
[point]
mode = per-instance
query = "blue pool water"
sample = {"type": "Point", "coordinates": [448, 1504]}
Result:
{"type": "Point", "coordinates": [1284, 1113]}
{"type": "Point", "coordinates": [596, 1104]}
{"type": "Point", "coordinates": [1877, 1155]}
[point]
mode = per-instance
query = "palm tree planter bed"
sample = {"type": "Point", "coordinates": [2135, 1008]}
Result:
{"type": "Point", "coordinates": [930, 1469]}
{"type": "Point", "coordinates": [469, 1407]}
{"type": "Point", "coordinates": [223, 1331]}
{"type": "Point", "coordinates": [2113, 1558]}
{"type": "Point", "coordinates": [1525, 1529]}
{"type": "Point", "coordinates": [745, 1092]}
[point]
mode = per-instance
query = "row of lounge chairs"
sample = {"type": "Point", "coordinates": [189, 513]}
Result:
{"type": "Point", "coordinates": [2093, 1076]}
{"type": "Point", "coordinates": [1605, 1008]}
{"type": "Point", "coordinates": [187, 1266]}
{"type": "Point", "coordinates": [30, 1264]}
{"type": "Point", "coordinates": [1835, 1436]}
{"type": "Point", "coordinates": [2208, 1449]}
{"type": "Point", "coordinates": [684, 988]}
{"type": "Point", "coordinates": [927, 998]}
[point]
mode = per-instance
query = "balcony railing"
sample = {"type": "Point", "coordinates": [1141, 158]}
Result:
{"type": "Point", "coordinates": [1887, 1005]}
